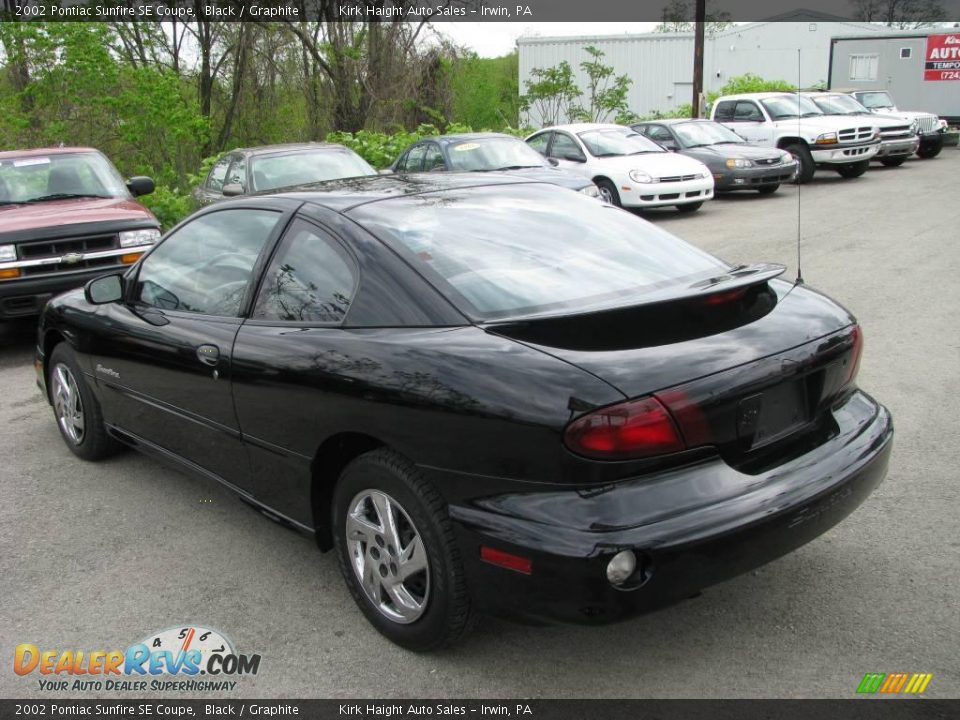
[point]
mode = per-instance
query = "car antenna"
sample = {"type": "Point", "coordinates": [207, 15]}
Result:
{"type": "Point", "coordinates": [799, 280]}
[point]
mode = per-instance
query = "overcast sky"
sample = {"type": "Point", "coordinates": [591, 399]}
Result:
{"type": "Point", "coordinates": [491, 39]}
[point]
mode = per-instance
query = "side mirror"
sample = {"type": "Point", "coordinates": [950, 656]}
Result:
{"type": "Point", "coordinates": [232, 189]}
{"type": "Point", "coordinates": [553, 161]}
{"type": "Point", "coordinates": [140, 185]}
{"type": "Point", "coordinates": [104, 290]}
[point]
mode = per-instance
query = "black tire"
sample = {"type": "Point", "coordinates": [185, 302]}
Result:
{"type": "Point", "coordinates": [929, 151]}
{"type": "Point", "coordinates": [689, 207]}
{"type": "Point", "coordinates": [893, 161]}
{"type": "Point", "coordinates": [92, 442]}
{"type": "Point", "coordinates": [608, 191]}
{"type": "Point", "coordinates": [853, 170]}
{"type": "Point", "coordinates": [447, 614]}
{"type": "Point", "coordinates": [768, 189]}
{"type": "Point", "coordinates": [807, 167]}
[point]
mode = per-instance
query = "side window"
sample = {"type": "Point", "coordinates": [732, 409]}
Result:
{"type": "Point", "coordinates": [415, 158]}
{"type": "Point", "coordinates": [564, 147]}
{"type": "Point", "coordinates": [217, 173]}
{"type": "Point", "coordinates": [311, 279]}
{"type": "Point", "coordinates": [724, 112]}
{"type": "Point", "coordinates": [660, 134]}
{"type": "Point", "coordinates": [434, 159]}
{"type": "Point", "coordinates": [206, 266]}
{"type": "Point", "coordinates": [237, 173]}
{"type": "Point", "coordinates": [540, 142]}
{"type": "Point", "coordinates": [747, 111]}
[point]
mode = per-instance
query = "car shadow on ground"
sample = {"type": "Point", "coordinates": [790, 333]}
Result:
{"type": "Point", "coordinates": [17, 340]}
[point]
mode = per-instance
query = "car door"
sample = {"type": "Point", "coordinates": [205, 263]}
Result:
{"type": "Point", "coordinates": [433, 160]}
{"type": "Point", "coordinates": [163, 358]}
{"type": "Point", "coordinates": [568, 153]}
{"type": "Point", "coordinates": [749, 122]}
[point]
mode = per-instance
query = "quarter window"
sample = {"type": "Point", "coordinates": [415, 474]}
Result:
{"type": "Point", "coordinates": [217, 174]}
{"type": "Point", "coordinates": [206, 266]}
{"type": "Point", "coordinates": [311, 279]}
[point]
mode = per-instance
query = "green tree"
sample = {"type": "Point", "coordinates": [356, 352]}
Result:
{"type": "Point", "coordinates": [606, 93]}
{"type": "Point", "coordinates": [551, 93]}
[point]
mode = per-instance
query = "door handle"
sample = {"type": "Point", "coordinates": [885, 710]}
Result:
{"type": "Point", "coordinates": [208, 354]}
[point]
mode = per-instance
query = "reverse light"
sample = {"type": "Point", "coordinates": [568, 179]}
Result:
{"type": "Point", "coordinates": [506, 560]}
{"type": "Point", "coordinates": [640, 176]}
{"type": "Point", "coordinates": [827, 139]}
{"type": "Point", "coordinates": [130, 238]}
{"type": "Point", "coordinates": [8, 253]}
{"type": "Point", "coordinates": [633, 429]}
{"type": "Point", "coordinates": [739, 163]}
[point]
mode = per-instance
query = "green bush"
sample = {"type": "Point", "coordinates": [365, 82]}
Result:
{"type": "Point", "coordinates": [750, 83]}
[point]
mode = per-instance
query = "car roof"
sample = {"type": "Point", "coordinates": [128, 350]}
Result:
{"type": "Point", "coordinates": [34, 152]}
{"type": "Point", "coordinates": [756, 95]}
{"type": "Point", "coordinates": [583, 127]}
{"type": "Point", "coordinates": [286, 148]}
{"type": "Point", "coordinates": [347, 193]}
{"type": "Point", "coordinates": [460, 137]}
{"type": "Point", "coordinates": [675, 121]}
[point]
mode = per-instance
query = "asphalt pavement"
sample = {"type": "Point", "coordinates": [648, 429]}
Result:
{"type": "Point", "coordinates": [98, 556]}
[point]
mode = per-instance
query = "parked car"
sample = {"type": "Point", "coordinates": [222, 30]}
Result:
{"type": "Point", "coordinates": [486, 395]}
{"type": "Point", "coordinates": [266, 168]}
{"type": "Point", "coordinates": [487, 152]}
{"type": "Point", "coordinates": [630, 170]}
{"type": "Point", "coordinates": [898, 137]}
{"type": "Point", "coordinates": [66, 215]}
{"type": "Point", "coordinates": [794, 123]}
{"type": "Point", "coordinates": [931, 128]}
{"type": "Point", "coordinates": [735, 164]}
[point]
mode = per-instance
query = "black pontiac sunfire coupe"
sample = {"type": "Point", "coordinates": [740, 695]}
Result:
{"type": "Point", "coordinates": [486, 395]}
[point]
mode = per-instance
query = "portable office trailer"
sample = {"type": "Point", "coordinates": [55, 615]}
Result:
{"type": "Point", "coordinates": [920, 69]}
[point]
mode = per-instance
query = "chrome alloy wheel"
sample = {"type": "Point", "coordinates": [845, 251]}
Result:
{"type": "Point", "coordinates": [67, 404]}
{"type": "Point", "coordinates": [606, 195]}
{"type": "Point", "coordinates": [388, 556]}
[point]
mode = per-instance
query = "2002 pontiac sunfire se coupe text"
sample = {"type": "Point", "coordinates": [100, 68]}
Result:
{"type": "Point", "coordinates": [486, 395]}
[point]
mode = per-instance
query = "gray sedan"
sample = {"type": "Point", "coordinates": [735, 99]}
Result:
{"type": "Point", "coordinates": [735, 164]}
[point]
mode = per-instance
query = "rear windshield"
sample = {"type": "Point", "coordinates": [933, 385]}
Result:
{"type": "Point", "coordinates": [531, 249]}
{"type": "Point", "coordinates": [308, 166]}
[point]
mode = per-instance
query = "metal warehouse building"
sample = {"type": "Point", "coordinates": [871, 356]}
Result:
{"type": "Point", "coordinates": [661, 64]}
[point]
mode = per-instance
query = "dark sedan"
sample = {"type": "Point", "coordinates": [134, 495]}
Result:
{"type": "Point", "coordinates": [735, 164]}
{"type": "Point", "coordinates": [488, 152]}
{"type": "Point", "coordinates": [485, 395]}
{"type": "Point", "coordinates": [261, 169]}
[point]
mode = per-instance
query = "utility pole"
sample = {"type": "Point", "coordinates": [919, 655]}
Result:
{"type": "Point", "coordinates": [700, 17]}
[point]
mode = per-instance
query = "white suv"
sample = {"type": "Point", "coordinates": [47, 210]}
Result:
{"type": "Point", "coordinates": [629, 169]}
{"type": "Point", "coordinates": [794, 123]}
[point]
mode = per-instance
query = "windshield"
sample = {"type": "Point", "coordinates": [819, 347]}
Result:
{"type": "Point", "coordinates": [527, 250]}
{"type": "Point", "coordinates": [493, 154]}
{"type": "Point", "coordinates": [790, 106]}
{"type": "Point", "coordinates": [307, 166]}
{"type": "Point", "coordinates": [838, 105]}
{"type": "Point", "coordinates": [614, 141]}
{"type": "Point", "coordinates": [39, 178]}
{"type": "Point", "coordinates": [697, 134]}
{"type": "Point", "coordinates": [875, 100]}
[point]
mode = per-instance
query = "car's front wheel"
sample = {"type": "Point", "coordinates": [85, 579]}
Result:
{"type": "Point", "coordinates": [77, 411]}
{"type": "Point", "coordinates": [806, 167]}
{"type": "Point", "coordinates": [853, 170]}
{"type": "Point", "coordinates": [608, 192]}
{"type": "Point", "coordinates": [929, 151]}
{"type": "Point", "coordinates": [397, 552]}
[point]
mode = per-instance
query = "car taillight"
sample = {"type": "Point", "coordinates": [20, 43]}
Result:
{"type": "Point", "coordinates": [633, 429]}
{"type": "Point", "coordinates": [855, 353]}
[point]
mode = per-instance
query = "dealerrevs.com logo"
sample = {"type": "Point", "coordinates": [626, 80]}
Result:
{"type": "Point", "coordinates": [189, 658]}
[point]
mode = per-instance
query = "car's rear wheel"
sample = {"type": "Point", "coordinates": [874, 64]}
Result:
{"type": "Point", "coordinates": [768, 189]}
{"type": "Point", "coordinates": [689, 207]}
{"type": "Point", "coordinates": [77, 411]}
{"type": "Point", "coordinates": [805, 165]}
{"type": "Point", "coordinates": [929, 151]}
{"type": "Point", "coordinates": [894, 161]}
{"type": "Point", "coordinates": [853, 170]}
{"type": "Point", "coordinates": [608, 192]}
{"type": "Point", "coordinates": [397, 552]}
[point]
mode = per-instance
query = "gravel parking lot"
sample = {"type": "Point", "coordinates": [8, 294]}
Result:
{"type": "Point", "coordinates": [98, 556]}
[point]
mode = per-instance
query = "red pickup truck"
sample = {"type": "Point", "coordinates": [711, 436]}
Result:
{"type": "Point", "coordinates": [66, 216]}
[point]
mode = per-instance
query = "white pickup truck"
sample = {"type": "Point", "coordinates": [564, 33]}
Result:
{"type": "Point", "coordinates": [794, 123]}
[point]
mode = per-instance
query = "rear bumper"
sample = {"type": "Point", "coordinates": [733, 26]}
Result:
{"type": "Point", "coordinates": [664, 194]}
{"type": "Point", "coordinates": [901, 146]}
{"type": "Point", "coordinates": [690, 528]}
